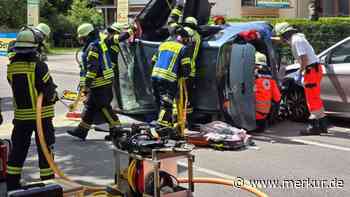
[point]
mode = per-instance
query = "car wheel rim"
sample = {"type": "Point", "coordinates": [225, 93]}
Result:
{"type": "Point", "coordinates": [296, 105]}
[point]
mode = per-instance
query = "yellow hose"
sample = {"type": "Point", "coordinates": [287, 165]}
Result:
{"type": "Point", "coordinates": [46, 152]}
{"type": "Point", "coordinates": [233, 183]}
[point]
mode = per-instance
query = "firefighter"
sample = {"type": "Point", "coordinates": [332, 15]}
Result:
{"type": "Point", "coordinates": [42, 32]}
{"type": "Point", "coordinates": [97, 77]}
{"type": "Point", "coordinates": [312, 71]}
{"type": "Point", "coordinates": [28, 76]}
{"type": "Point", "coordinates": [171, 62]}
{"type": "Point", "coordinates": [219, 20]}
{"type": "Point", "coordinates": [266, 91]}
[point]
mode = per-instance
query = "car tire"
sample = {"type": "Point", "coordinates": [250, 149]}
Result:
{"type": "Point", "coordinates": [296, 104]}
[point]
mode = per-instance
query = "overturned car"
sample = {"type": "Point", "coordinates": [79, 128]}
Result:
{"type": "Point", "coordinates": [224, 87]}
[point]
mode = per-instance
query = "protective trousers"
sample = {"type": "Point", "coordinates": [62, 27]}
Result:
{"type": "Point", "coordinates": [99, 102]}
{"type": "Point", "coordinates": [165, 93]}
{"type": "Point", "coordinates": [312, 87]}
{"type": "Point", "coordinates": [190, 90]}
{"type": "Point", "coordinates": [21, 138]}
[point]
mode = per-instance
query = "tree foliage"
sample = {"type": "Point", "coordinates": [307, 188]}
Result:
{"type": "Point", "coordinates": [81, 12]}
{"type": "Point", "coordinates": [13, 13]}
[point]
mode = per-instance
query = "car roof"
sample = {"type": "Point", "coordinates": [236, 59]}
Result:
{"type": "Point", "coordinates": [233, 29]}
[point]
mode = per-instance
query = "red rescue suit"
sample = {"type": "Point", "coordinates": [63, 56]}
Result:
{"type": "Point", "coordinates": [312, 87]}
{"type": "Point", "coordinates": [266, 91]}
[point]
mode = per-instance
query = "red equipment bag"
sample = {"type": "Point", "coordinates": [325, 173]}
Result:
{"type": "Point", "coordinates": [5, 148]}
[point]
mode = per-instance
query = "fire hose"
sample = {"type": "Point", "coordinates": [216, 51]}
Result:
{"type": "Point", "coordinates": [132, 169]}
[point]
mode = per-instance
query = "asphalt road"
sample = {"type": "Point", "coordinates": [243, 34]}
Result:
{"type": "Point", "coordinates": [284, 163]}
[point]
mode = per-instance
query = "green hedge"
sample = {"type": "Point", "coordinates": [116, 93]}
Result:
{"type": "Point", "coordinates": [321, 34]}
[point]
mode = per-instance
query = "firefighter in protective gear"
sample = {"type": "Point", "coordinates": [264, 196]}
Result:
{"type": "Point", "coordinates": [171, 62]}
{"type": "Point", "coordinates": [194, 47]}
{"type": "Point", "coordinates": [313, 73]}
{"type": "Point", "coordinates": [42, 32]}
{"type": "Point", "coordinates": [96, 77]}
{"type": "Point", "coordinates": [266, 91]}
{"type": "Point", "coordinates": [28, 76]}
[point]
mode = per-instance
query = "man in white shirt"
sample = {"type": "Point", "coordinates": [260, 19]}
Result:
{"type": "Point", "coordinates": [313, 73]}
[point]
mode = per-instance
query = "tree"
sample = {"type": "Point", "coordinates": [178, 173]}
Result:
{"type": "Point", "coordinates": [81, 12]}
{"type": "Point", "coordinates": [13, 13]}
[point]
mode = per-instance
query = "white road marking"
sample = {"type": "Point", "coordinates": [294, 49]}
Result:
{"type": "Point", "coordinates": [208, 171]}
{"type": "Point", "coordinates": [342, 148]}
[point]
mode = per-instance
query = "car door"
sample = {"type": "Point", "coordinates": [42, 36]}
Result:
{"type": "Point", "coordinates": [335, 86]}
{"type": "Point", "coordinates": [240, 86]}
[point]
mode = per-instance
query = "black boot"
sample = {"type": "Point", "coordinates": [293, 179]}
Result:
{"type": "Point", "coordinates": [79, 132]}
{"type": "Point", "coordinates": [324, 124]}
{"type": "Point", "coordinates": [312, 129]}
{"type": "Point", "coordinates": [13, 183]}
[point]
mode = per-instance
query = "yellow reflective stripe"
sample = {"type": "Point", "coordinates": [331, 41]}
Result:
{"type": "Point", "coordinates": [46, 172]}
{"type": "Point", "coordinates": [14, 170]}
{"type": "Point", "coordinates": [30, 114]}
{"type": "Point", "coordinates": [108, 73]}
{"type": "Point", "coordinates": [91, 75]}
{"type": "Point", "coordinates": [197, 38]}
{"type": "Point", "coordinates": [115, 48]}
{"type": "Point", "coordinates": [186, 60]}
{"type": "Point", "coordinates": [176, 12]}
{"type": "Point", "coordinates": [164, 74]}
{"type": "Point", "coordinates": [100, 82]}
{"type": "Point", "coordinates": [31, 91]}
{"type": "Point", "coordinates": [112, 122]}
{"type": "Point", "coordinates": [171, 46]}
{"type": "Point", "coordinates": [174, 25]}
{"type": "Point", "coordinates": [116, 39]}
{"type": "Point", "coordinates": [11, 54]}
{"type": "Point", "coordinates": [46, 77]}
{"type": "Point", "coordinates": [93, 54]}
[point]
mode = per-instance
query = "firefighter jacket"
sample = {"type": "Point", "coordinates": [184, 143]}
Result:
{"type": "Point", "coordinates": [28, 76]}
{"type": "Point", "coordinates": [197, 43]}
{"type": "Point", "coordinates": [97, 67]}
{"type": "Point", "coordinates": [171, 61]}
{"type": "Point", "coordinates": [266, 91]}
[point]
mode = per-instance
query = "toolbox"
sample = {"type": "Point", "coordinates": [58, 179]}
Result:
{"type": "Point", "coordinates": [38, 190]}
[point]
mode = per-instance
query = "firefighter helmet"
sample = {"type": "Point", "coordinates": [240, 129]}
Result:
{"type": "Point", "coordinates": [260, 59]}
{"type": "Point", "coordinates": [44, 28]}
{"type": "Point", "coordinates": [85, 29]}
{"type": "Point", "coordinates": [191, 21]}
{"type": "Point", "coordinates": [25, 39]}
{"type": "Point", "coordinates": [282, 28]}
{"type": "Point", "coordinates": [189, 32]}
{"type": "Point", "coordinates": [118, 27]}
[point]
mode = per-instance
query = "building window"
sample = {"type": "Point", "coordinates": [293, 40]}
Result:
{"type": "Point", "coordinates": [266, 3]}
{"type": "Point", "coordinates": [248, 2]}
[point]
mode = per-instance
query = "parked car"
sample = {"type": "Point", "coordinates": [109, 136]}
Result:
{"type": "Point", "coordinates": [335, 89]}
{"type": "Point", "coordinates": [224, 85]}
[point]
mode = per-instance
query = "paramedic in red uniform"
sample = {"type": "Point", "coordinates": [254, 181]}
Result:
{"type": "Point", "coordinates": [312, 71]}
{"type": "Point", "coordinates": [266, 91]}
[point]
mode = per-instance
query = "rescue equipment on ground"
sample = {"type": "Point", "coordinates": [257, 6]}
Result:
{"type": "Point", "coordinates": [220, 135]}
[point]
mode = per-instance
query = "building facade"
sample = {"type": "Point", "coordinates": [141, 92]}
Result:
{"type": "Point", "coordinates": [278, 8]}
